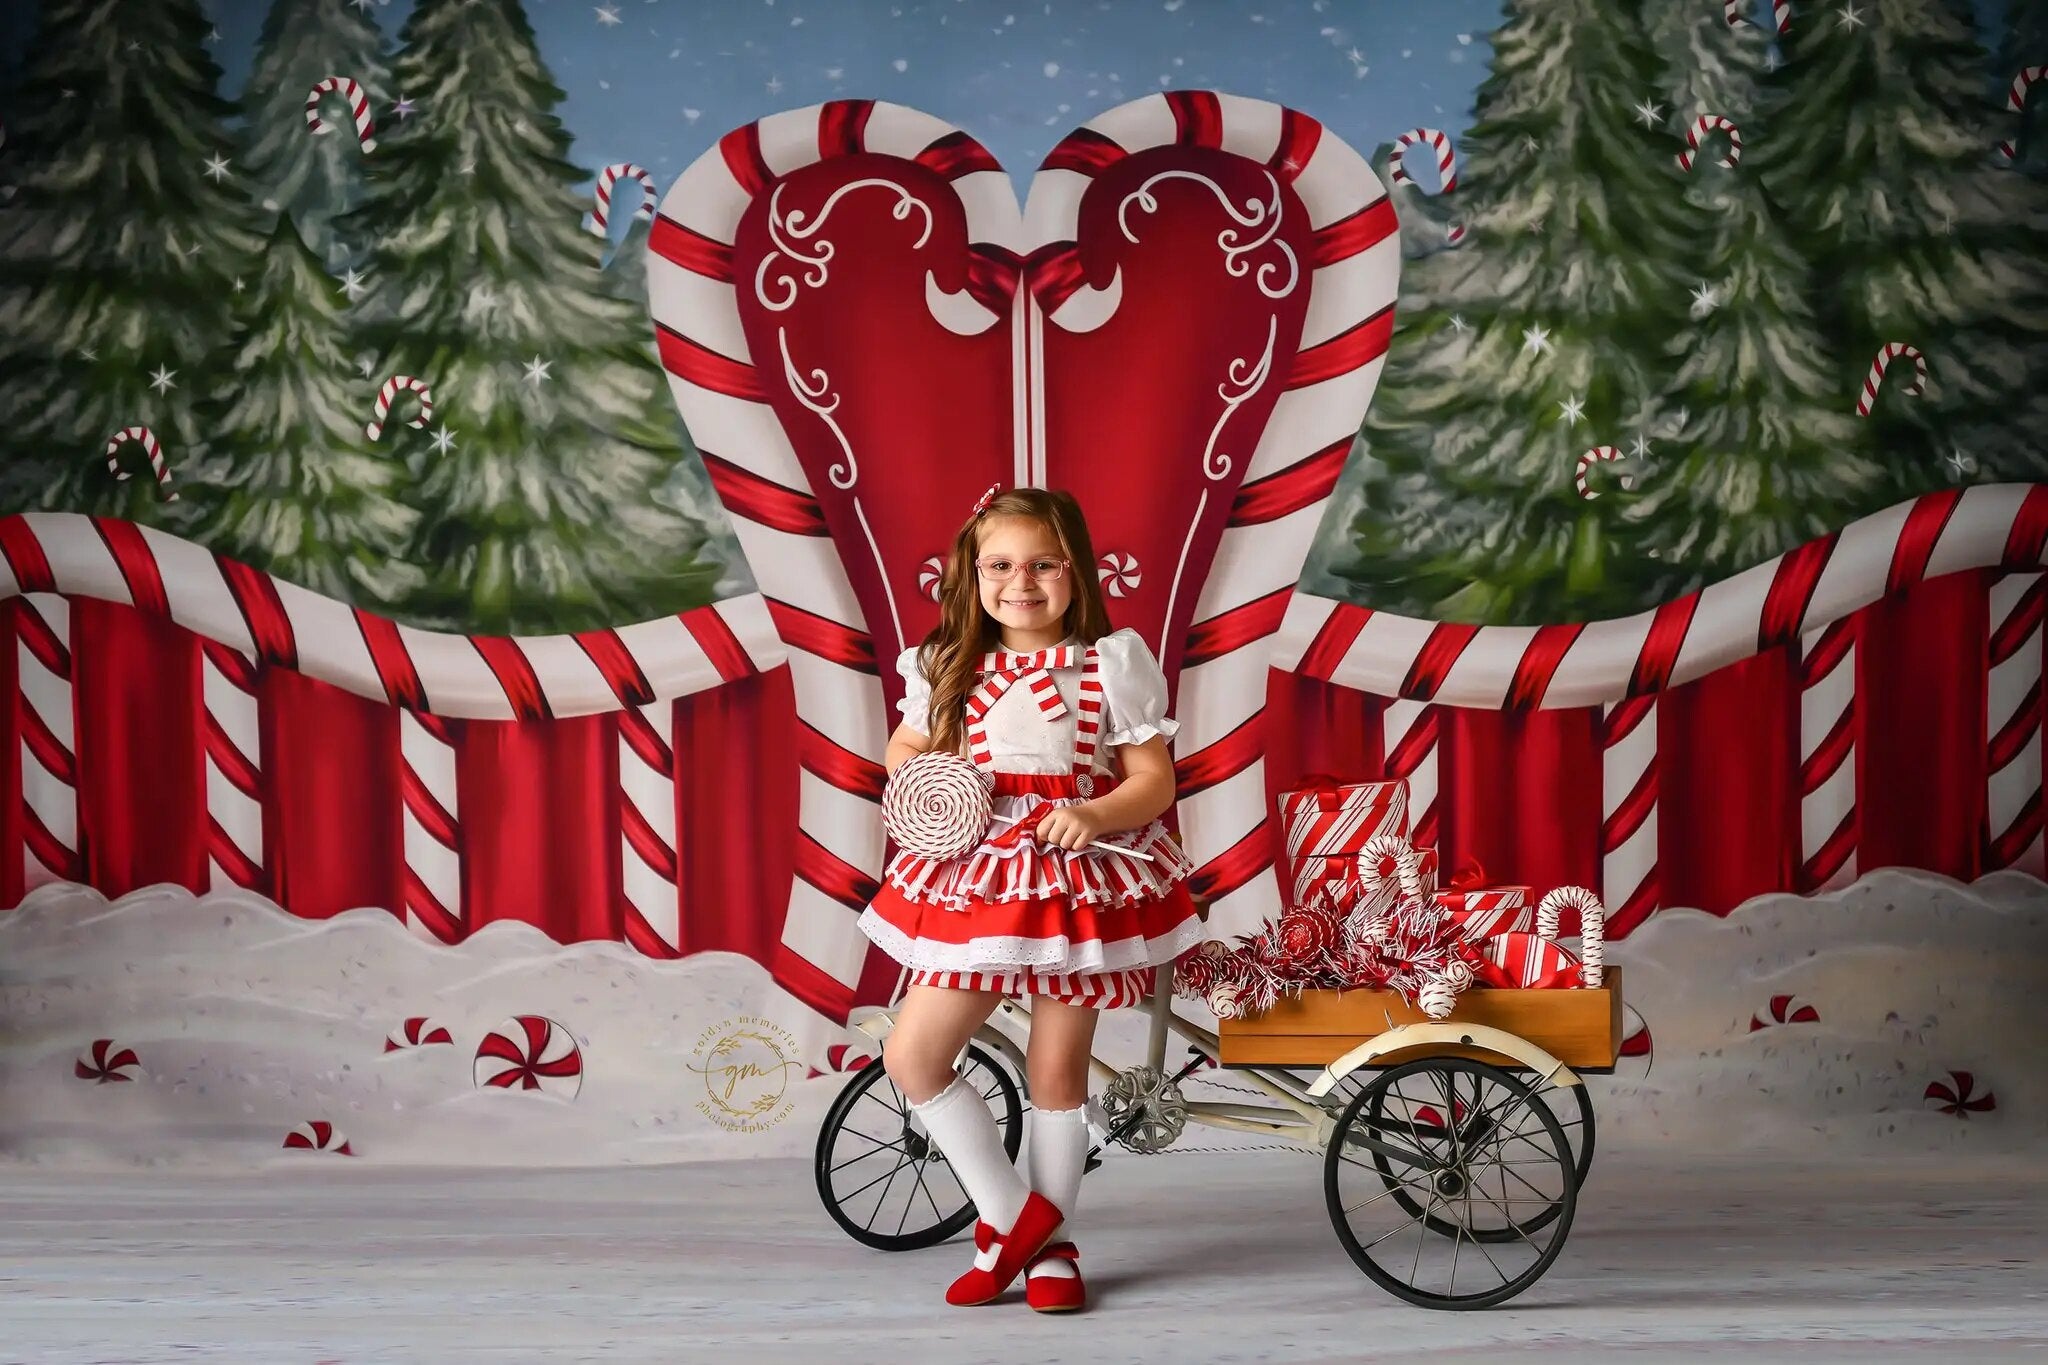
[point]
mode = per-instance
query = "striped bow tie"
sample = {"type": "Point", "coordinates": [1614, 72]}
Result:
{"type": "Point", "coordinates": [1034, 670]}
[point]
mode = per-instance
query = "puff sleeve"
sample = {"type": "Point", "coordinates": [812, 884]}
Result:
{"type": "Point", "coordinates": [1133, 690]}
{"type": "Point", "coordinates": [916, 706]}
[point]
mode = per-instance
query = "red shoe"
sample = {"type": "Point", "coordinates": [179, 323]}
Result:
{"type": "Point", "coordinates": [1035, 1223]}
{"type": "Point", "coordinates": [1055, 1293]}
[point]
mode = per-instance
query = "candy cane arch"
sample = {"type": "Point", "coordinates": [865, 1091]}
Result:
{"type": "Point", "coordinates": [1326, 385]}
{"type": "Point", "coordinates": [358, 106]}
{"type": "Point", "coordinates": [2012, 724]}
{"type": "Point", "coordinates": [600, 219]}
{"type": "Point", "coordinates": [145, 438]}
{"type": "Point", "coordinates": [395, 385]}
{"type": "Point", "coordinates": [1446, 167]}
{"type": "Point", "coordinates": [1597, 455]}
{"type": "Point", "coordinates": [1701, 127]}
{"type": "Point", "coordinates": [2016, 101]}
{"type": "Point", "coordinates": [1874, 381]}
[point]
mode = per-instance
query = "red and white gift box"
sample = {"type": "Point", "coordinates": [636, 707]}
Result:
{"type": "Point", "coordinates": [1519, 961]}
{"type": "Point", "coordinates": [1329, 823]}
{"type": "Point", "coordinates": [1484, 911]}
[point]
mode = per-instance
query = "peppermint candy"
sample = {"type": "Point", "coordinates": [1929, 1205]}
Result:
{"type": "Point", "coordinates": [930, 575]}
{"type": "Point", "coordinates": [937, 805]}
{"type": "Point", "coordinates": [1120, 575]}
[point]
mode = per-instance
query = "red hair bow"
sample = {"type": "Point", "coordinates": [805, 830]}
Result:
{"type": "Point", "coordinates": [987, 498]}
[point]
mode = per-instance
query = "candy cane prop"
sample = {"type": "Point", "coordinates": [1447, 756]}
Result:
{"type": "Point", "coordinates": [1827, 757]}
{"type": "Point", "coordinates": [146, 438]}
{"type": "Point", "coordinates": [1873, 381]}
{"type": "Point", "coordinates": [49, 748]}
{"type": "Point", "coordinates": [1598, 455]}
{"type": "Point", "coordinates": [649, 863]}
{"type": "Point", "coordinates": [393, 386]}
{"type": "Point", "coordinates": [1629, 789]}
{"type": "Point", "coordinates": [1737, 12]}
{"type": "Point", "coordinates": [1592, 926]}
{"type": "Point", "coordinates": [358, 104]}
{"type": "Point", "coordinates": [1703, 125]}
{"type": "Point", "coordinates": [611, 175]}
{"type": "Point", "coordinates": [1120, 575]}
{"type": "Point", "coordinates": [1446, 167]}
{"type": "Point", "coordinates": [234, 773]}
{"type": "Point", "coordinates": [2012, 723]}
{"type": "Point", "coordinates": [2016, 101]}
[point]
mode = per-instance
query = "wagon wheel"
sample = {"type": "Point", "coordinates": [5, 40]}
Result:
{"type": "Point", "coordinates": [1494, 1209]}
{"type": "Point", "coordinates": [1568, 1103]}
{"type": "Point", "coordinates": [879, 1173]}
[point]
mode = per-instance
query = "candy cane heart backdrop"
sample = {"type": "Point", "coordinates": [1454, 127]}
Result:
{"type": "Point", "coordinates": [1183, 328]}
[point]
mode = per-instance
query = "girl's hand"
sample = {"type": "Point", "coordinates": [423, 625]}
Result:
{"type": "Point", "coordinates": [1070, 826]}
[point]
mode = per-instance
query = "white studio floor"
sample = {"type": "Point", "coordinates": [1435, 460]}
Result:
{"type": "Point", "coordinates": [1192, 1256]}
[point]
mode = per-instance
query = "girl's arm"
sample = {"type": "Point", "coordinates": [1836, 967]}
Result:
{"type": "Point", "coordinates": [904, 745]}
{"type": "Point", "coordinates": [1145, 791]}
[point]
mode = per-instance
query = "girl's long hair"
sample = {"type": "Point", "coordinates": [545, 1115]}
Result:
{"type": "Point", "coordinates": [951, 655]}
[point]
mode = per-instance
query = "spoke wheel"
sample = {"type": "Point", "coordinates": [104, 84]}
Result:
{"type": "Point", "coordinates": [1474, 1200]}
{"type": "Point", "coordinates": [881, 1176]}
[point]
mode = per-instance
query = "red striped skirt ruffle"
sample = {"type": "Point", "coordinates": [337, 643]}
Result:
{"type": "Point", "coordinates": [1101, 990]}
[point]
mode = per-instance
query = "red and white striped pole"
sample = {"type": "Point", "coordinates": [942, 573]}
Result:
{"type": "Point", "coordinates": [433, 862]}
{"type": "Point", "coordinates": [1629, 882]}
{"type": "Point", "coordinates": [234, 745]}
{"type": "Point", "coordinates": [647, 816]}
{"type": "Point", "coordinates": [1827, 757]}
{"type": "Point", "coordinates": [2012, 725]}
{"type": "Point", "coordinates": [49, 749]}
{"type": "Point", "coordinates": [1409, 731]}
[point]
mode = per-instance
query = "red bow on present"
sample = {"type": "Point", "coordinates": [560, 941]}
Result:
{"type": "Point", "coordinates": [1325, 786]}
{"type": "Point", "coordinates": [1470, 877]}
{"type": "Point", "coordinates": [1025, 828]}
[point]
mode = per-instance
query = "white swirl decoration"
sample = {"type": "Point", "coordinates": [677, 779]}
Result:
{"type": "Point", "coordinates": [1264, 216]}
{"type": "Point", "coordinates": [936, 805]}
{"type": "Point", "coordinates": [792, 230]}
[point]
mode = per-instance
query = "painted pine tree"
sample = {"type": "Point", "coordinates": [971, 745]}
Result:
{"type": "Point", "coordinates": [1753, 453]}
{"type": "Point", "coordinates": [292, 484]}
{"type": "Point", "coordinates": [1537, 338]}
{"type": "Point", "coordinates": [119, 257]}
{"type": "Point", "coordinates": [551, 428]}
{"type": "Point", "coordinates": [314, 178]}
{"type": "Point", "coordinates": [1917, 235]}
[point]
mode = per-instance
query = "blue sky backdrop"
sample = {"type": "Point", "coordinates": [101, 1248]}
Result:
{"type": "Point", "coordinates": [658, 81]}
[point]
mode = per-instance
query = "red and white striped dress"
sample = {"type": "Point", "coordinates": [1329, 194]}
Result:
{"type": "Point", "coordinates": [1027, 918]}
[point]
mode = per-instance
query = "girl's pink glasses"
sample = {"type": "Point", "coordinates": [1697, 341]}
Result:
{"type": "Point", "coordinates": [999, 570]}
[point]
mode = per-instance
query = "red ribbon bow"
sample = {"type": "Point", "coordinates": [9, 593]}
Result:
{"type": "Point", "coordinates": [1326, 787]}
{"type": "Point", "coordinates": [1470, 877]}
{"type": "Point", "coordinates": [1025, 828]}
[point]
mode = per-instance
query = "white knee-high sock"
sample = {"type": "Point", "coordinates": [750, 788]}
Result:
{"type": "Point", "coordinates": [963, 1125]}
{"type": "Point", "coordinates": [1055, 1153]}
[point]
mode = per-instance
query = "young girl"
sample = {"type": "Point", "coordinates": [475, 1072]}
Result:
{"type": "Point", "coordinates": [1025, 677]}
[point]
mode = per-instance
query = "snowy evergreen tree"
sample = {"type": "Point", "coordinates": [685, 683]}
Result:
{"type": "Point", "coordinates": [292, 484]}
{"type": "Point", "coordinates": [1753, 453]}
{"type": "Point", "coordinates": [536, 483]}
{"type": "Point", "coordinates": [1538, 337]}
{"type": "Point", "coordinates": [2026, 45]}
{"type": "Point", "coordinates": [1916, 234]}
{"type": "Point", "coordinates": [625, 273]}
{"type": "Point", "coordinates": [314, 177]}
{"type": "Point", "coordinates": [117, 254]}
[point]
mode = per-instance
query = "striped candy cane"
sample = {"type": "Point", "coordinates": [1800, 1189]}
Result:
{"type": "Point", "coordinates": [393, 386]}
{"type": "Point", "coordinates": [1446, 168]}
{"type": "Point", "coordinates": [1628, 809]}
{"type": "Point", "coordinates": [146, 438]}
{"type": "Point", "coordinates": [358, 105]}
{"type": "Point", "coordinates": [611, 175]}
{"type": "Point", "coordinates": [2012, 724]}
{"type": "Point", "coordinates": [1703, 125]}
{"type": "Point", "coordinates": [647, 817]}
{"type": "Point", "coordinates": [1738, 12]}
{"type": "Point", "coordinates": [1873, 381]}
{"type": "Point", "coordinates": [1827, 754]}
{"type": "Point", "coordinates": [2016, 101]}
{"type": "Point", "coordinates": [234, 795]}
{"type": "Point", "coordinates": [1597, 455]}
{"type": "Point", "coordinates": [49, 751]}
{"type": "Point", "coordinates": [433, 862]}
{"type": "Point", "coordinates": [1592, 926]}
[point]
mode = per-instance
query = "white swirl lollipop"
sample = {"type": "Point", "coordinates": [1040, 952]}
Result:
{"type": "Point", "coordinates": [936, 805]}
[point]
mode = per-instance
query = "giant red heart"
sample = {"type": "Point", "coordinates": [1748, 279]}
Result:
{"type": "Point", "coordinates": [1182, 328]}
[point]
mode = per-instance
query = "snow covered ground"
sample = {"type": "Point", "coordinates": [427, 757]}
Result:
{"type": "Point", "coordinates": [1674, 1257]}
{"type": "Point", "coordinates": [246, 1023]}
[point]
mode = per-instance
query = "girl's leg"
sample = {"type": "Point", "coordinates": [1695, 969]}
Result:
{"type": "Point", "coordinates": [932, 1026]}
{"type": "Point", "coordinates": [1056, 1145]}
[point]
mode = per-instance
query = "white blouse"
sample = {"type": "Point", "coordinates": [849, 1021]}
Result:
{"type": "Point", "coordinates": [1020, 737]}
